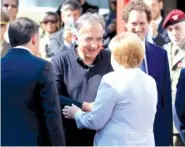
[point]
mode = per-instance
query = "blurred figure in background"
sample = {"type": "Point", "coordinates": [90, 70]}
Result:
{"type": "Point", "coordinates": [50, 24]}
{"type": "Point", "coordinates": [86, 7]}
{"type": "Point", "coordinates": [110, 30]}
{"type": "Point", "coordinates": [5, 46]}
{"type": "Point", "coordinates": [11, 8]}
{"type": "Point", "coordinates": [70, 12]}
{"type": "Point", "coordinates": [156, 34]}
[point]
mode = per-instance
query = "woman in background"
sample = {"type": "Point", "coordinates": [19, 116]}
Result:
{"type": "Point", "coordinates": [50, 24]}
{"type": "Point", "coordinates": [125, 106]}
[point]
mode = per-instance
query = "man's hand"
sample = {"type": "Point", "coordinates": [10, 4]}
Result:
{"type": "Point", "coordinates": [69, 111]}
{"type": "Point", "coordinates": [87, 107]}
{"type": "Point", "coordinates": [68, 35]}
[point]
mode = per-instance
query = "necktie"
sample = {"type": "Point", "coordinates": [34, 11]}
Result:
{"type": "Point", "coordinates": [143, 66]}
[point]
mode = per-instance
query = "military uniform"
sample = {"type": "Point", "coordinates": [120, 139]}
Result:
{"type": "Point", "coordinates": [176, 57]}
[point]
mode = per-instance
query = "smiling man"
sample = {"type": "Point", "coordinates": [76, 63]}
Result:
{"type": "Point", "coordinates": [137, 17]}
{"type": "Point", "coordinates": [79, 71]}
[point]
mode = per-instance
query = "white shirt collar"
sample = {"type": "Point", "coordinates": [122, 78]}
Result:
{"type": "Point", "coordinates": [24, 48]}
{"type": "Point", "coordinates": [158, 21]}
{"type": "Point", "coordinates": [143, 42]}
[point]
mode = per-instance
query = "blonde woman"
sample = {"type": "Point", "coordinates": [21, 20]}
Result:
{"type": "Point", "coordinates": [125, 106]}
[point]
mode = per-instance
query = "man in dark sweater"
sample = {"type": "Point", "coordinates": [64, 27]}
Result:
{"type": "Point", "coordinates": [79, 72]}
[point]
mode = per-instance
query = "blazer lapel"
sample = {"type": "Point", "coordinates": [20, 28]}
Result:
{"type": "Point", "coordinates": [150, 59]}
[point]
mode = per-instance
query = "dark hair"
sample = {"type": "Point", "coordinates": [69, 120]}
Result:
{"type": "Point", "coordinates": [46, 14]}
{"type": "Point", "coordinates": [71, 5]}
{"type": "Point", "coordinates": [138, 6]}
{"type": "Point", "coordinates": [21, 30]}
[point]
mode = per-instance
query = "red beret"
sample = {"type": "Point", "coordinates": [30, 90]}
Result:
{"type": "Point", "coordinates": [174, 17]}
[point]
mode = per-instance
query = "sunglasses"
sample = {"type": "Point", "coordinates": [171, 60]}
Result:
{"type": "Point", "coordinates": [8, 5]}
{"type": "Point", "coordinates": [51, 21]}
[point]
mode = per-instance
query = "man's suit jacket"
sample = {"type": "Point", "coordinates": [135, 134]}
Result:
{"type": "Point", "coordinates": [5, 48]}
{"type": "Point", "coordinates": [30, 110]}
{"type": "Point", "coordinates": [180, 103]}
{"type": "Point", "coordinates": [158, 68]}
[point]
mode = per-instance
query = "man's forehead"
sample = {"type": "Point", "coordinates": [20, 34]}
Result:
{"type": "Point", "coordinates": [180, 24]}
{"type": "Point", "coordinates": [10, 1]}
{"type": "Point", "coordinates": [137, 15]}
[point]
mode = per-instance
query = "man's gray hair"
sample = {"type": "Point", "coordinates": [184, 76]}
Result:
{"type": "Point", "coordinates": [89, 18]}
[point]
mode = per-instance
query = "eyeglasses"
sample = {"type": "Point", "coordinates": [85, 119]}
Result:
{"type": "Point", "coordinates": [51, 21]}
{"type": "Point", "coordinates": [8, 5]}
{"type": "Point", "coordinates": [91, 40]}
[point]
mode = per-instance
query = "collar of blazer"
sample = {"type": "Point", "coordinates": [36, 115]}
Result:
{"type": "Point", "coordinates": [24, 48]}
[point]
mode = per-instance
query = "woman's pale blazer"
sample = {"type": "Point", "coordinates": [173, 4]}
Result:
{"type": "Point", "coordinates": [124, 110]}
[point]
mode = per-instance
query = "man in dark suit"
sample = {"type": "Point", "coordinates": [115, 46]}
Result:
{"type": "Point", "coordinates": [30, 109]}
{"type": "Point", "coordinates": [180, 103]}
{"type": "Point", "coordinates": [137, 17]}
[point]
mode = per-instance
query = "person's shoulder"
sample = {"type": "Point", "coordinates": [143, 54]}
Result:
{"type": "Point", "coordinates": [106, 52]}
{"type": "Point", "coordinates": [168, 45]}
{"type": "Point", "coordinates": [39, 60]}
{"type": "Point", "coordinates": [57, 35]}
{"type": "Point", "coordinates": [63, 54]}
{"type": "Point", "coordinates": [157, 48]}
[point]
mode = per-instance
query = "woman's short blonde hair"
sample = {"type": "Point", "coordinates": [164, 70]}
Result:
{"type": "Point", "coordinates": [127, 49]}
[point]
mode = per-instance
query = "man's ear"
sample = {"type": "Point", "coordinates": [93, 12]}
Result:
{"type": "Point", "coordinates": [34, 39]}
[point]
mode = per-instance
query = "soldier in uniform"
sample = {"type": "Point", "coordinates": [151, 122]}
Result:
{"type": "Point", "coordinates": [174, 23]}
{"type": "Point", "coordinates": [175, 26]}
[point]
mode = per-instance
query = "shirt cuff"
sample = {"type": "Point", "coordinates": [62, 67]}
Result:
{"type": "Point", "coordinates": [78, 114]}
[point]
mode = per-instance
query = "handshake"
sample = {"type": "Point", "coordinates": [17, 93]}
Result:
{"type": "Point", "coordinates": [70, 111]}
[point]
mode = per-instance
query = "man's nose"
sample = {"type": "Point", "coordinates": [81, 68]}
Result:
{"type": "Point", "coordinates": [138, 28]}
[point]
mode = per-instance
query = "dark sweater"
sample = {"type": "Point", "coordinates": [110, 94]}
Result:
{"type": "Point", "coordinates": [78, 83]}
